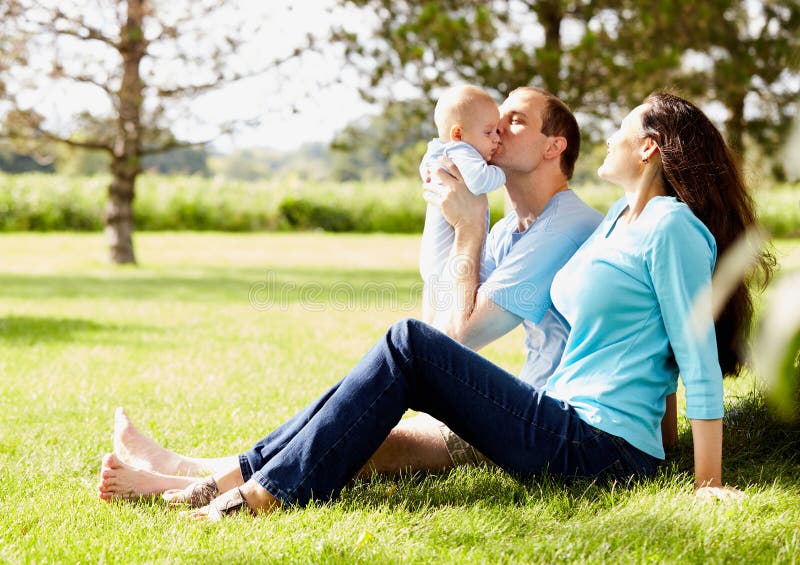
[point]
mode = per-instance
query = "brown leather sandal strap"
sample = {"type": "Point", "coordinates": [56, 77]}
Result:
{"type": "Point", "coordinates": [230, 502]}
{"type": "Point", "coordinates": [203, 493]}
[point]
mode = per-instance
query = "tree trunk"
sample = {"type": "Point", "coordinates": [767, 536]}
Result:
{"type": "Point", "coordinates": [119, 213]}
{"type": "Point", "coordinates": [735, 125]}
{"type": "Point", "coordinates": [128, 145]}
{"type": "Point", "coordinates": [550, 13]}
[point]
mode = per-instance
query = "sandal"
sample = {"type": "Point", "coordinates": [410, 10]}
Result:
{"type": "Point", "coordinates": [196, 495]}
{"type": "Point", "coordinates": [226, 504]}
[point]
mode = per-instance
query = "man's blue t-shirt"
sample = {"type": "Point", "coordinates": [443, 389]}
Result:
{"type": "Point", "coordinates": [517, 269]}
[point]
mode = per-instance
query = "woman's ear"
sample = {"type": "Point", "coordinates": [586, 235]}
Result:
{"type": "Point", "coordinates": [649, 149]}
{"type": "Point", "coordinates": [455, 133]}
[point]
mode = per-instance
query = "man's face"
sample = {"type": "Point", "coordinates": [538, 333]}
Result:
{"type": "Point", "coordinates": [522, 142]}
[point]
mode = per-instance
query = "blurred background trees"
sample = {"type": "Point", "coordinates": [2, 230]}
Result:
{"type": "Point", "coordinates": [141, 64]}
{"type": "Point", "coordinates": [600, 56]}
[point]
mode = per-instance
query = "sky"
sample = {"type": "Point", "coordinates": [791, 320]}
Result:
{"type": "Point", "coordinates": [293, 108]}
{"type": "Point", "coordinates": [309, 100]}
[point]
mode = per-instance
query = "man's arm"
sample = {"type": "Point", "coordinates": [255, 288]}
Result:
{"type": "Point", "coordinates": [454, 305]}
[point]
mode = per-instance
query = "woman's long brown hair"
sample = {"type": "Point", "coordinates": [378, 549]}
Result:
{"type": "Point", "coordinates": [701, 171]}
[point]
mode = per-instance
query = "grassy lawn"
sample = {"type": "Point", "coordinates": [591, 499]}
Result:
{"type": "Point", "coordinates": [218, 338]}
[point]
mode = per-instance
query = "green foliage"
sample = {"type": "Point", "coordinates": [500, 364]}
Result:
{"type": "Point", "coordinates": [14, 162]}
{"type": "Point", "coordinates": [186, 161]}
{"type": "Point", "coordinates": [776, 346]}
{"type": "Point", "coordinates": [389, 144]}
{"type": "Point", "coordinates": [600, 56]}
{"type": "Point", "coordinates": [54, 202]}
{"type": "Point", "coordinates": [304, 214]}
{"type": "Point", "coordinates": [49, 202]}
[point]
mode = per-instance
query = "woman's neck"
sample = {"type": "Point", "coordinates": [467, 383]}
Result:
{"type": "Point", "coordinates": [640, 193]}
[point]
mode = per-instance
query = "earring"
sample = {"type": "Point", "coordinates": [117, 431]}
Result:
{"type": "Point", "coordinates": [645, 160]}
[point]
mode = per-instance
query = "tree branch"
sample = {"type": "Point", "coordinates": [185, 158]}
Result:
{"type": "Point", "coordinates": [171, 145]}
{"type": "Point", "coordinates": [84, 31]}
{"type": "Point", "coordinates": [194, 89]}
{"type": "Point", "coordinates": [85, 79]}
{"type": "Point", "coordinates": [95, 145]}
{"type": "Point", "coordinates": [92, 34]}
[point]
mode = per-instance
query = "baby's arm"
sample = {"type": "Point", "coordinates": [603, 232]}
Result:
{"type": "Point", "coordinates": [479, 176]}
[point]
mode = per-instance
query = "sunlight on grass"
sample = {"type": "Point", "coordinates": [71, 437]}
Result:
{"type": "Point", "coordinates": [206, 370]}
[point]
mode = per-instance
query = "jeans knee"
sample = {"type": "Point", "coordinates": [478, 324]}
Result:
{"type": "Point", "coordinates": [403, 332]}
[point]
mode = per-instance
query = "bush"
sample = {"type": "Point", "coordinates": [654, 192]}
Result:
{"type": "Point", "coordinates": [45, 202]}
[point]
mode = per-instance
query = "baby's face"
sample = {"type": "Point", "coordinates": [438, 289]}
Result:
{"type": "Point", "coordinates": [480, 130]}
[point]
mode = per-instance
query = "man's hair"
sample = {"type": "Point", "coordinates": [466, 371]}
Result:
{"type": "Point", "coordinates": [558, 120]}
{"type": "Point", "coordinates": [457, 105]}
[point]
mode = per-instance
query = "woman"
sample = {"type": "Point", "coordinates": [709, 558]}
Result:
{"type": "Point", "coordinates": [626, 294]}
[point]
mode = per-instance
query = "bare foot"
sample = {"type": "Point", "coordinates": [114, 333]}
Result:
{"type": "Point", "coordinates": [138, 450]}
{"type": "Point", "coordinates": [196, 495]}
{"type": "Point", "coordinates": [120, 481]}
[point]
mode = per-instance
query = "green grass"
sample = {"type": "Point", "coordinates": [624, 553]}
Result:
{"type": "Point", "coordinates": [180, 344]}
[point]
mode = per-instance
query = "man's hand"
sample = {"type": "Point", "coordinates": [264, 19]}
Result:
{"type": "Point", "coordinates": [461, 208]}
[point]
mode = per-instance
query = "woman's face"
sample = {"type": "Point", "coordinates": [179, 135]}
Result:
{"type": "Point", "coordinates": [623, 162]}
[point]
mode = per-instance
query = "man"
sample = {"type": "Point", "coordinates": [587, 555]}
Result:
{"type": "Point", "coordinates": [539, 144]}
{"type": "Point", "coordinates": [479, 298]}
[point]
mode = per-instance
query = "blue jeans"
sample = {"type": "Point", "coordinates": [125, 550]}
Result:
{"type": "Point", "coordinates": [414, 366]}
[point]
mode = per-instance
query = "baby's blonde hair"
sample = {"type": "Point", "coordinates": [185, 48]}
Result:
{"type": "Point", "coordinates": [457, 105]}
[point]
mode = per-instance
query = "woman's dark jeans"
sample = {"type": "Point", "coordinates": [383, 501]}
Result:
{"type": "Point", "coordinates": [414, 366]}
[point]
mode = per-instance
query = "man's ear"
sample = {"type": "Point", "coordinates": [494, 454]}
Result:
{"type": "Point", "coordinates": [556, 147]}
{"type": "Point", "coordinates": [455, 133]}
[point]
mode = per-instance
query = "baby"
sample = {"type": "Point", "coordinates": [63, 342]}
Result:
{"type": "Point", "coordinates": [466, 118]}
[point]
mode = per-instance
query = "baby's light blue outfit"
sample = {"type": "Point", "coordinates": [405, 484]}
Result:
{"type": "Point", "coordinates": [627, 294]}
{"type": "Point", "coordinates": [480, 178]}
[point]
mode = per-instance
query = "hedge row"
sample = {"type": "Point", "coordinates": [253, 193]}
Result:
{"type": "Point", "coordinates": [40, 202]}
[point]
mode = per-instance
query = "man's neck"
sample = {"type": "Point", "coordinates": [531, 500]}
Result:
{"type": "Point", "coordinates": [530, 194]}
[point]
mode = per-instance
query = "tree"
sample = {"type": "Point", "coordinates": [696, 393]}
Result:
{"type": "Point", "coordinates": [378, 147]}
{"type": "Point", "coordinates": [743, 54]}
{"type": "Point", "coordinates": [754, 67]}
{"type": "Point", "coordinates": [600, 56]}
{"type": "Point", "coordinates": [146, 58]}
{"type": "Point", "coordinates": [563, 46]}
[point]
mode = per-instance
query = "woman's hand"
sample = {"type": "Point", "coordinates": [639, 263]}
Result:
{"type": "Point", "coordinates": [462, 209]}
{"type": "Point", "coordinates": [718, 493]}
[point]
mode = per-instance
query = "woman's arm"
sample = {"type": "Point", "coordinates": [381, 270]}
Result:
{"type": "Point", "coordinates": [669, 424]}
{"type": "Point", "coordinates": [707, 436]}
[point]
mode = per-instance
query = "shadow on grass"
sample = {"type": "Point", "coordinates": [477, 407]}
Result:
{"type": "Point", "coordinates": [261, 287]}
{"type": "Point", "coordinates": [758, 448]}
{"type": "Point", "coordinates": [465, 487]}
{"type": "Point", "coordinates": [759, 451]}
{"type": "Point", "coordinates": [29, 330]}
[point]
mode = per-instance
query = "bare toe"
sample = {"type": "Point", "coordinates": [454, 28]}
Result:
{"type": "Point", "coordinates": [118, 480]}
